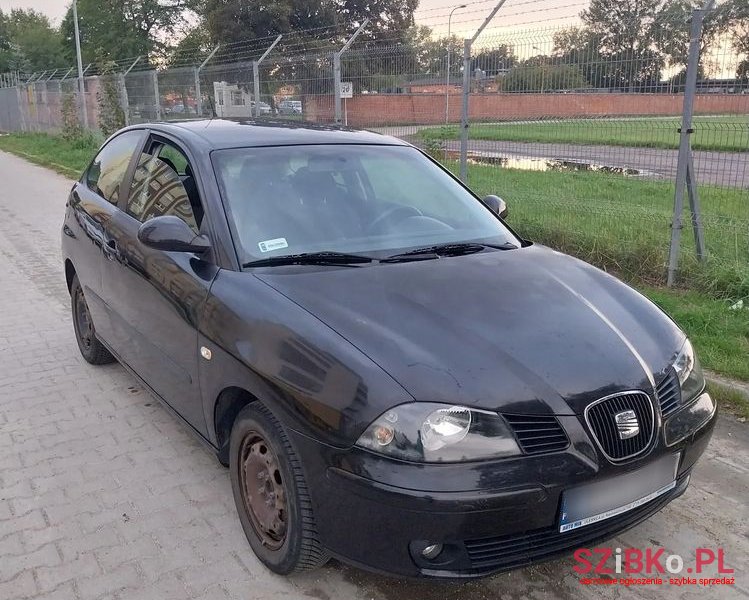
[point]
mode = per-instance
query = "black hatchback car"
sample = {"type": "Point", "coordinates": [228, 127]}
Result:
{"type": "Point", "coordinates": [393, 376]}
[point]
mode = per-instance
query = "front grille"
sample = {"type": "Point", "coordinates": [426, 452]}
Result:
{"type": "Point", "coordinates": [537, 433]}
{"type": "Point", "coordinates": [668, 392]}
{"type": "Point", "coordinates": [509, 552]}
{"type": "Point", "coordinates": [601, 420]}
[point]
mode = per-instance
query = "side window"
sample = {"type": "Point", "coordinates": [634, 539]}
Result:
{"type": "Point", "coordinates": [174, 158]}
{"type": "Point", "coordinates": [106, 173]}
{"type": "Point", "coordinates": [163, 185]}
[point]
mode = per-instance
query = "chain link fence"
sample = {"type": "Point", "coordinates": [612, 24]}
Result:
{"type": "Point", "coordinates": [582, 144]}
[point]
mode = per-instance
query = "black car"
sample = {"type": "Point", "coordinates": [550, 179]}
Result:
{"type": "Point", "coordinates": [393, 376]}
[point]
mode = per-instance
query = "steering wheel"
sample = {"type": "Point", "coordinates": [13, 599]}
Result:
{"type": "Point", "coordinates": [390, 213]}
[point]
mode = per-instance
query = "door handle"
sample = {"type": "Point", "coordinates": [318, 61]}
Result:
{"type": "Point", "coordinates": [110, 250]}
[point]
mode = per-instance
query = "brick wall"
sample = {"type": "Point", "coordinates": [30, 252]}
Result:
{"type": "Point", "coordinates": [396, 109]}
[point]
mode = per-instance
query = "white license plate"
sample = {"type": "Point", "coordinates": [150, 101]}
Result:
{"type": "Point", "coordinates": [602, 500]}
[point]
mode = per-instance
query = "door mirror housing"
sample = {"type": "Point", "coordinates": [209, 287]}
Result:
{"type": "Point", "coordinates": [497, 205]}
{"type": "Point", "coordinates": [171, 234]}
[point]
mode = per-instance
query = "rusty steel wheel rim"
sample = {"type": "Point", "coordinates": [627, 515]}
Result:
{"type": "Point", "coordinates": [263, 490]}
{"type": "Point", "coordinates": [83, 320]}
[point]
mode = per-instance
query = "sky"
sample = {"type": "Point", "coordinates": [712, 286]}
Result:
{"type": "Point", "coordinates": [526, 14]}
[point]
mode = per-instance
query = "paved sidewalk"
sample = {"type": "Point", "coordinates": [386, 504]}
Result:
{"type": "Point", "coordinates": [103, 495]}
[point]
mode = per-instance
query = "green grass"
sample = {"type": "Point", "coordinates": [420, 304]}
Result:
{"type": "Point", "coordinates": [720, 335]}
{"type": "Point", "coordinates": [623, 224]}
{"type": "Point", "coordinates": [67, 157]}
{"type": "Point", "coordinates": [618, 223]}
{"type": "Point", "coordinates": [721, 133]}
{"type": "Point", "coordinates": [730, 400]}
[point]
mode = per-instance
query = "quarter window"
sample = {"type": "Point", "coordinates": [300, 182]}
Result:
{"type": "Point", "coordinates": [106, 173]}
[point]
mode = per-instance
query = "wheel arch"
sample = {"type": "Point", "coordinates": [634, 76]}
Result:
{"type": "Point", "coordinates": [69, 273]}
{"type": "Point", "coordinates": [229, 403]}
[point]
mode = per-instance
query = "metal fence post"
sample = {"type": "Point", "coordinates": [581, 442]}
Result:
{"type": "Point", "coordinates": [256, 75]}
{"type": "Point", "coordinates": [464, 124]}
{"type": "Point", "coordinates": [685, 166]}
{"type": "Point", "coordinates": [157, 95]}
{"type": "Point", "coordinates": [198, 92]}
{"type": "Point", "coordinates": [337, 85]}
{"type": "Point", "coordinates": [337, 70]}
{"type": "Point", "coordinates": [124, 100]}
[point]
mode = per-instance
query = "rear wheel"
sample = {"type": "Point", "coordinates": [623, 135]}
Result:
{"type": "Point", "coordinates": [271, 495]}
{"type": "Point", "coordinates": [85, 334]}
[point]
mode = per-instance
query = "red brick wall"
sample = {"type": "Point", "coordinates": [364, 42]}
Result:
{"type": "Point", "coordinates": [397, 109]}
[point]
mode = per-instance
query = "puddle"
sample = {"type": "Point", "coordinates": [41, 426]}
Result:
{"type": "Point", "coordinates": [529, 163]}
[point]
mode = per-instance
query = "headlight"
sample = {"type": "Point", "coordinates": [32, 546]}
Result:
{"type": "Point", "coordinates": [690, 372]}
{"type": "Point", "coordinates": [429, 432]}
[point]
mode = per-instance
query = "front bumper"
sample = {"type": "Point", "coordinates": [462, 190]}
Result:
{"type": "Point", "coordinates": [490, 516]}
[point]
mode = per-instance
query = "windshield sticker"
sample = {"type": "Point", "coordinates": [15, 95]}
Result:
{"type": "Point", "coordinates": [270, 245]}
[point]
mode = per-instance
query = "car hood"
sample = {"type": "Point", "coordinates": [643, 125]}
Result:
{"type": "Point", "coordinates": [526, 331]}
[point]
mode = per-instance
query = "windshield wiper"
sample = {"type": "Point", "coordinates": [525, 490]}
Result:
{"type": "Point", "coordinates": [454, 249]}
{"type": "Point", "coordinates": [310, 258]}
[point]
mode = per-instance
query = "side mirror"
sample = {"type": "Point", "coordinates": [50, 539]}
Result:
{"type": "Point", "coordinates": [172, 234]}
{"type": "Point", "coordinates": [497, 205]}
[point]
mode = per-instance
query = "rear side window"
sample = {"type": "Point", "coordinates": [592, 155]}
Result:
{"type": "Point", "coordinates": [106, 173]}
{"type": "Point", "coordinates": [158, 190]}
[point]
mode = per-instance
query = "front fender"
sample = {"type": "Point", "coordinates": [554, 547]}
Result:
{"type": "Point", "coordinates": [314, 380]}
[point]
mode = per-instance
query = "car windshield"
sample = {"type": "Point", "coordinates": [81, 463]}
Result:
{"type": "Point", "coordinates": [363, 199]}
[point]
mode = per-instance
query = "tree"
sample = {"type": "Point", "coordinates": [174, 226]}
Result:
{"type": "Point", "coordinates": [672, 32]}
{"type": "Point", "coordinates": [117, 29]}
{"type": "Point", "coordinates": [235, 20]}
{"type": "Point", "coordinates": [734, 18]}
{"type": "Point", "coordinates": [28, 42]}
{"type": "Point", "coordinates": [494, 61]}
{"type": "Point", "coordinates": [111, 115]}
{"type": "Point", "coordinates": [580, 47]}
{"type": "Point", "coordinates": [5, 47]}
{"type": "Point", "coordinates": [625, 32]}
{"type": "Point", "coordinates": [530, 76]}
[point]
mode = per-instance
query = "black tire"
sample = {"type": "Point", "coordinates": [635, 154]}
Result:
{"type": "Point", "coordinates": [299, 548]}
{"type": "Point", "coordinates": [85, 333]}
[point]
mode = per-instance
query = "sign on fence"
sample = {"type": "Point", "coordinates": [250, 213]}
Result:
{"type": "Point", "coordinates": [347, 89]}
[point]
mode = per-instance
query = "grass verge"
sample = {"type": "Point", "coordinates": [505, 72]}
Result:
{"type": "Point", "coordinates": [617, 223]}
{"type": "Point", "coordinates": [67, 157]}
{"type": "Point", "coordinates": [720, 335]}
{"type": "Point", "coordinates": [720, 133]}
{"type": "Point", "coordinates": [623, 224]}
{"type": "Point", "coordinates": [730, 400]}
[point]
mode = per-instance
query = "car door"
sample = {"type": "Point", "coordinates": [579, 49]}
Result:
{"type": "Point", "coordinates": [92, 205]}
{"type": "Point", "coordinates": [157, 296]}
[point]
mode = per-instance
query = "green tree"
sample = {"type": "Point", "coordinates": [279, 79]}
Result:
{"type": "Point", "coordinates": [530, 76]}
{"type": "Point", "coordinates": [111, 115]}
{"type": "Point", "coordinates": [579, 47]}
{"type": "Point", "coordinates": [734, 19]}
{"type": "Point", "coordinates": [28, 42]}
{"type": "Point", "coordinates": [236, 20]}
{"type": "Point", "coordinates": [117, 29]}
{"type": "Point", "coordinates": [626, 34]}
{"type": "Point", "coordinates": [494, 60]}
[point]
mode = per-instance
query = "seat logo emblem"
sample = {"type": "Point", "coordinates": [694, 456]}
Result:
{"type": "Point", "coordinates": [627, 424]}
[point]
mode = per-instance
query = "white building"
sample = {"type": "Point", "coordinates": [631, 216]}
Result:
{"type": "Point", "coordinates": [231, 100]}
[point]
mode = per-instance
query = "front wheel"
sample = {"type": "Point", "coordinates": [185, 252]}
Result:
{"type": "Point", "coordinates": [85, 334]}
{"type": "Point", "coordinates": [271, 495]}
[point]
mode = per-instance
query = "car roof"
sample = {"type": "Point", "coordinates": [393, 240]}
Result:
{"type": "Point", "coordinates": [241, 133]}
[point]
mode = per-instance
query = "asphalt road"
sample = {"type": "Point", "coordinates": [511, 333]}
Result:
{"type": "Point", "coordinates": [730, 169]}
{"type": "Point", "coordinates": [103, 495]}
